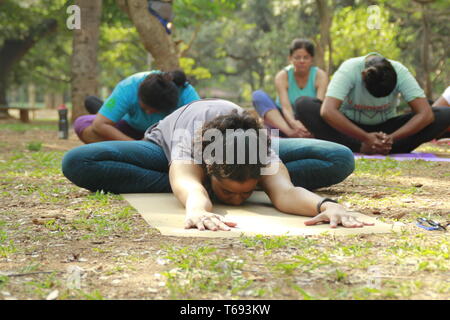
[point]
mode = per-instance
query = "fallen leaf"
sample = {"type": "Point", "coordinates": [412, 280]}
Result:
{"type": "Point", "coordinates": [38, 222]}
{"type": "Point", "coordinates": [53, 295]}
{"type": "Point", "coordinates": [398, 215]}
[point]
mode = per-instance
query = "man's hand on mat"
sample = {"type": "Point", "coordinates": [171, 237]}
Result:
{"type": "Point", "coordinates": [336, 214]}
{"type": "Point", "coordinates": [207, 221]}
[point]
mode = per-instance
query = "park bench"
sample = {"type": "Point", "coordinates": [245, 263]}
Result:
{"type": "Point", "coordinates": [23, 111]}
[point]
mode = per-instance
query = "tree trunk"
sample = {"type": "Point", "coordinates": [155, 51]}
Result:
{"type": "Point", "coordinates": [13, 50]}
{"type": "Point", "coordinates": [31, 95]}
{"type": "Point", "coordinates": [325, 43]}
{"type": "Point", "coordinates": [425, 54]}
{"type": "Point", "coordinates": [84, 55]}
{"type": "Point", "coordinates": [3, 102]}
{"type": "Point", "coordinates": [152, 34]}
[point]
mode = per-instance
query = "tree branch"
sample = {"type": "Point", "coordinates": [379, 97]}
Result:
{"type": "Point", "coordinates": [58, 79]}
{"type": "Point", "coordinates": [191, 41]}
{"type": "Point", "coordinates": [14, 49]}
{"type": "Point", "coordinates": [123, 5]}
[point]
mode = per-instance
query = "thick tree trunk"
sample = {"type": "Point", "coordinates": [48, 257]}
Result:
{"type": "Point", "coordinates": [325, 43]}
{"type": "Point", "coordinates": [152, 34]}
{"type": "Point", "coordinates": [13, 50]}
{"type": "Point", "coordinates": [84, 56]}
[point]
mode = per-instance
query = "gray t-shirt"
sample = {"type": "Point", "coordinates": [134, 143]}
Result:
{"type": "Point", "coordinates": [176, 133]}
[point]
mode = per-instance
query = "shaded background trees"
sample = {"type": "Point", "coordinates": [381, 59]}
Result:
{"type": "Point", "coordinates": [227, 47]}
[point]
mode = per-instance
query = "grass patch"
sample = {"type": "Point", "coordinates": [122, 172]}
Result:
{"type": "Point", "coordinates": [38, 164]}
{"type": "Point", "coordinates": [201, 271]}
{"type": "Point", "coordinates": [23, 127]}
{"type": "Point", "coordinates": [34, 145]}
{"type": "Point", "coordinates": [6, 245]}
{"type": "Point", "coordinates": [100, 223]}
{"type": "Point", "coordinates": [388, 168]}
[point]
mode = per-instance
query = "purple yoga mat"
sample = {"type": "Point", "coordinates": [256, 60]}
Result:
{"type": "Point", "coordinates": [404, 156]}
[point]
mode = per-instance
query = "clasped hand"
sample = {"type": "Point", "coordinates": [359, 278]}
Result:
{"type": "Point", "coordinates": [377, 142]}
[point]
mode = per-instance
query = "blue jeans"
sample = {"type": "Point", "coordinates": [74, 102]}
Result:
{"type": "Point", "coordinates": [142, 167]}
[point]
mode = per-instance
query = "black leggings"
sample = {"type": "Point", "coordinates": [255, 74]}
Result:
{"type": "Point", "coordinates": [307, 110]}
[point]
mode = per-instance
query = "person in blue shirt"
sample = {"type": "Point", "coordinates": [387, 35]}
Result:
{"type": "Point", "coordinates": [136, 103]}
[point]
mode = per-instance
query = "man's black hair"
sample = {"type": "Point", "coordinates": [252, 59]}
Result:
{"type": "Point", "coordinates": [379, 77]}
{"type": "Point", "coordinates": [179, 78]}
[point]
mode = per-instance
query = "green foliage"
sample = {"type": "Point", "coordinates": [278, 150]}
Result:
{"type": "Point", "coordinates": [235, 45]}
{"type": "Point", "coordinates": [193, 12]}
{"type": "Point", "coordinates": [49, 57]}
{"type": "Point", "coordinates": [121, 54]}
{"type": "Point", "coordinates": [352, 36]}
{"type": "Point", "coordinates": [199, 73]}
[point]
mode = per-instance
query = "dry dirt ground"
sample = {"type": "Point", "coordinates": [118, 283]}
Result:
{"type": "Point", "coordinates": [58, 241]}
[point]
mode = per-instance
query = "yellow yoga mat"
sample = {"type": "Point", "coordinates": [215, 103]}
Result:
{"type": "Point", "coordinates": [256, 216]}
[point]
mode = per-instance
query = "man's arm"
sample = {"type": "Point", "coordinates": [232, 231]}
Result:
{"type": "Point", "coordinates": [370, 141]}
{"type": "Point", "coordinates": [186, 180]}
{"type": "Point", "coordinates": [422, 118]}
{"type": "Point", "coordinates": [331, 114]}
{"type": "Point", "coordinates": [296, 200]}
{"type": "Point", "coordinates": [104, 127]}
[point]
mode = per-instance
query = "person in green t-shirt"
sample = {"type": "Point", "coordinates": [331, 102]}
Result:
{"type": "Point", "coordinates": [300, 78]}
{"type": "Point", "coordinates": [360, 108]}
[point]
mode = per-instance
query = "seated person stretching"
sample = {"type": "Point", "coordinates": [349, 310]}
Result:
{"type": "Point", "coordinates": [209, 149]}
{"type": "Point", "coordinates": [360, 108]}
{"type": "Point", "coordinates": [135, 104]}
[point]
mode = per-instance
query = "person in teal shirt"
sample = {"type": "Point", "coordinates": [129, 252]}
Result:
{"type": "Point", "coordinates": [136, 103]}
{"type": "Point", "coordinates": [360, 108]}
{"type": "Point", "coordinates": [301, 78]}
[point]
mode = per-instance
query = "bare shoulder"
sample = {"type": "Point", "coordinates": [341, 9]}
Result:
{"type": "Point", "coordinates": [321, 74]}
{"type": "Point", "coordinates": [281, 77]}
{"type": "Point", "coordinates": [321, 78]}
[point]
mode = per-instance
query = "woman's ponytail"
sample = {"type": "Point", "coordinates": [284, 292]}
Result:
{"type": "Point", "coordinates": [178, 77]}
